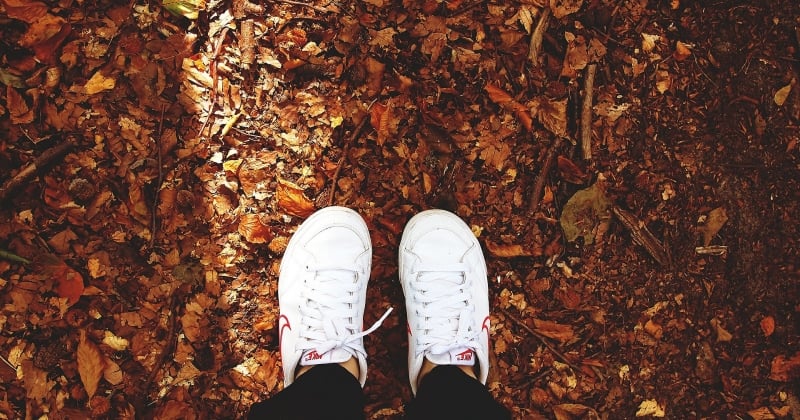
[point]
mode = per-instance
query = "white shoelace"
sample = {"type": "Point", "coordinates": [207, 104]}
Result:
{"type": "Point", "coordinates": [331, 317]}
{"type": "Point", "coordinates": [445, 318]}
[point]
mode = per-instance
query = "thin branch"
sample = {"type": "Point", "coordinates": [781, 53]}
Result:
{"type": "Point", "coordinates": [160, 180]}
{"type": "Point", "coordinates": [586, 112]}
{"type": "Point", "coordinates": [345, 148]}
{"type": "Point", "coordinates": [538, 184]}
{"type": "Point", "coordinates": [297, 3]}
{"type": "Point", "coordinates": [536, 37]}
{"type": "Point", "coordinates": [642, 236]}
{"type": "Point", "coordinates": [541, 338]}
{"type": "Point", "coordinates": [32, 168]}
{"type": "Point", "coordinates": [213, 93]}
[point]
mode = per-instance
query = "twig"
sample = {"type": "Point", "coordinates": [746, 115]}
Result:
{"type": "Point", "coordinates": [538, 185]}
{"type": "Point", "coordinates": [30, 170]}
{"type": "Point", "coordinates": [642, 236]}
{"type": "Point", "coordinates": [8, 363]}
{"type": "Point", "coordinates": [541, 338]}
{"type": "Point", "coordinates": [213, 94]}
{"type": "Point", "coordinates": [160, 180]}
{"type": "Point", "coordinates": [297, 3]}
{"type": "Point", "coordinates": [466, 8]}
{"type": "Point", "coordinates": [345, 148]}
{"type": "Point", "coordinates": [586, 112]}
{"type": "Point", "coordinates": [169, 346]}
{"type": "Point", "coordinates": [536, 37]}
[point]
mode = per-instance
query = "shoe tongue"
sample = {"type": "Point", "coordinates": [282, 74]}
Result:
{"type": "Point", "coordinates": [312, 357]}
{"type": "Point", "coordinates": [463, 356]}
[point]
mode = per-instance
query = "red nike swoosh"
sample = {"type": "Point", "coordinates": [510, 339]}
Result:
{"type": "Point", "coordinates": [284, 323]}
{"type": "Point", "coordinates": [486, 325]}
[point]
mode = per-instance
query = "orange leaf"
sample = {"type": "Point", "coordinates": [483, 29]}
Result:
{"type": "Point", "coordinates": [253, 231]}
{"type": "Point", "coordinates": [682, 51]}
{"type": "Point", "coordinates": [768, 325]}
{"type": "Point", "coordinates": [292, 200]}
{"type": "Point", "coordinates": [509, 251]}
{"type": "Point", "coordinates": [553, 330]}
{"type": "Point", "coordinates": [785, 370]}
{"type": "Point", "coordinates": [68, 282]}
{"type": "Point", "coordinates": [570, 171]}
{"type": "Point", "coordinates": [502, 98]}
{"type": "Point", "coordinates": [90, 364]}
{"type": "Point", "coordinates": [25, 11]}
{"type": "Point", "coordinates": [498, 95]}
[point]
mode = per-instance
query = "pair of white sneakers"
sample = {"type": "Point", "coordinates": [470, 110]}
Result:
{"type": "Point", "coordinates": [322, 291]}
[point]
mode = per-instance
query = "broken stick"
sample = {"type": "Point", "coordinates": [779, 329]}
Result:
{"type": "Point", "coordinates": [536, 37]}
{"type": "Point", "coordinates": [642, 236]}
{"type": "Point", "coordinates": [32, 168]}
{"type": "Point", "coordinates": [586, 111]}
{"type": "Point", "coordinates": [538, 184]}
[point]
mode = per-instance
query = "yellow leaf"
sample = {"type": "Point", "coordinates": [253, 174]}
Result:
{"type": "Point", "coordinates": [682, 51]}
{"type": "Point", "coordinates": [99, 83]}
{"type": "Point", "coordinates": [783, 93]}
{"type": "Point", "coordinates": [650, 408]}
{"type": "Point", "coordinates": [90, 364]}
{"type": "Point", "coordinates": [115, 342]}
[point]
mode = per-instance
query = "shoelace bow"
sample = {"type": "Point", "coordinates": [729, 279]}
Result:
{"type": "Point", "coordinates": [331, 314]}
{"type": "Point", "coordinates": [445, 318]}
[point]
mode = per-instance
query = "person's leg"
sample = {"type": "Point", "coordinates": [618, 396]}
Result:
{"type": "Point", "coordinates": [322, 288]}
{"type": "Point", "coordinates": [444, 279]}
{"type": "Point", "coordinates": [317, 394]}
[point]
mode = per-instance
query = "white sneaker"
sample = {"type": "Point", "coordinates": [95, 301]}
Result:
{"type": "Point", "coordinates": [322, 290]}
{"type": "Point", "coordinates": [443, 275]}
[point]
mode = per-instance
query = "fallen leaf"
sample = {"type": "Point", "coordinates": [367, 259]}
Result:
{"type": "Point", "coordinates": [767, 325]}
{"type": "Point", "coordinates": [25, 11]}
{"type": "Point", "coordinates": [722, 333]}
{"type": "Point", "coordinates": [550, 329]}
{"type": "Point", "coordinates": [20, 112]}
{"type": "Point", "coordinates": [650, 408]}
{"type": "Point", "coordinates": [682, 51]}
{"type": "Point", "coordinates": [187, 8]}
{"type": "Point", "coordinates": [68, 282]}
{"type": "Point", "coordinates": [570, 172]}
{"type": "Point", "coordinates": [504, 99]}
{"type": "Point", "coordinates": [508, 250]}
{"type": "Point", "coordinates": [783, 93]}
{"type": "Point", "coordinates": [785, 369]}
{"type": "Point", "coordinates": [292, 200]}
{"type": "Point", "coordinates": [574, 411]}
{"type": "Point", "coordinates": [649, 41]}
{"type": "Point", "coordinates": [98, 83]}
{"type": "Point", "coordinates": [714, 222]}
{"type": "Point", "coordinates": [115, 342]}
{"type": "Point", "coordinates": [253, 230]}
{"type": "Point", "coordinates": [663, 81]}
{"type": "Point", "coordinates": [563, 8]}
{"type": "Point", "coordinates": [770, 413]}
{"type": "Point", "coordinates": [112, 373]}
{"type": "Point", "coordinates": [90, 364]}
{"type": "Point", "coordinates": [585, 211]}
{"type": "Point", "coordinates": [552, 113]}
{"type": "Point", "coordinates": [653, 329]}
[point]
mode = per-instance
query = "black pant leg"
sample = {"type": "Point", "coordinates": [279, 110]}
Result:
{"type": "Point", "coordinates": [446, 392]}
{"type": "Point", "coordinates": [324, 392]}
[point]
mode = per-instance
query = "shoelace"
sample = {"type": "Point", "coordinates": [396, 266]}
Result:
{"type": "Point", "coordinates": [445, 318]}
{"type": "Point", "coordinates": [331, 315]}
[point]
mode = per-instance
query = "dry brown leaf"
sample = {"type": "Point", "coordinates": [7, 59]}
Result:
{"type": "Point", "coordinates": [550, 329]}
{"type": "Point", "coordinates": [783, 93]}
{"type": "Point", "coordinates": [574, 411]}
{"type": "Point", "coordinates": [563, 8]}
{"type": "Point", "coordinates": [20, 112]}
{"type": "Point", "coordinates": [714, 222]}
{"type": "Point", "coordinates": [91, 364]}
{"type": "Point", "coordinates": [682, 51]}
{"type": "Point", "coordinates": [663, 81]}
{"type": "Point", "coordinates": [568, 297]}
{"type": "Point", "coordinates": [27, 12]}
{"type": "Point", "coordinates": [770, 413]}
{"type": "Point", "coordinates": [785, 369]}
{"type": "Point", "coordinates": [722, 333]}
{"type": "Point", "coordinates": [508, 251]}
{"type": "Point", "coordinates": [112, 373]}
{"type": "Point", "coordinates": [570, 172]}
{"type": "Point", "coordinates": [253, 230]}
{"type": "Point", "coordinates": [552, 113]}
{"type": "Point", "coordinates": [654, 329]}
{"type": "Point", "coordinates": [68, 282]}
{"type": "Point", "coordinates": [98, 83]}
{"type": "Point", "coordinates": [504, 99]}
{"type": "Point", "coordinates": [292, 200]}
{"type": "Point", "coordinates": [767, 325]}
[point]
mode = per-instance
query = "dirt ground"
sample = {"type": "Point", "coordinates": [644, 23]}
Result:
{"type": "Point", "coordinates": [631, 168]}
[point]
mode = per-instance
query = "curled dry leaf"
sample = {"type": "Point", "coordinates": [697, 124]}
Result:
{"type": "Point", "coordinates": [552, 113]}
{"type": "Point", "coordinates": [682, 51]}
{"type": "Point", "coordinates": [292, 200]}
{"type": "Point", "coordinates": [550, 329]}
{"type": "Point", "coordinates": [510, 250]}
{"type": "Point", "coordinates": [253, 230]}
{"type": "Point", "coordinates": [714, 222]}
{"type": "Point", "coordinates": [767, 325]}
{"type": "Point", "coordinates": [785, 369]}
{"type": "Point", "coordinates": [502, 98]}
{"type": "Point", "coordinates": [91, 364]}
{"type": "Point", "coordinates": [574, 411]}
{"type": "Point", "coordinates": [783, 93]}
{"type": "Point", "coordinates": [570, 172]}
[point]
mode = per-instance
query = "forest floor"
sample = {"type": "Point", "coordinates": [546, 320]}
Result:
{"type": "Point", "coordinates": [631, 169]}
